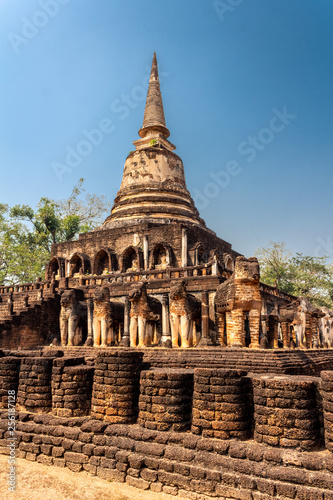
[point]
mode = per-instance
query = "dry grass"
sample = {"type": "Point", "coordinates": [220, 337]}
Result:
{"type": "Point", "coordinates": [41, 482]}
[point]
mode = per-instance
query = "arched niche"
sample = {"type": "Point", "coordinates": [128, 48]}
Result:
{"type": "Point", "coordinates": [105, 261]}
{"type": "Point", "coordinates": [79, 263]}
{"type": "Point", "coordinates": [53, 267]}
{"type": "Point", "coordinates": [131, 259]}
{"type": "Point", "coordinates": [228, 262]}
{"type": "Point", "coordinates": [199, 254]}
{"type": "Point", "coordinates": [160, 257]}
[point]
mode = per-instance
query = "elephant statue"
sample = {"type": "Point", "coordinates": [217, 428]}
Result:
{"type": "Point", "coordinates": [145, 317]}
{"type": "Point", "coordinates": [107, 318]}
{"type": "Point", "coordinates": [326, 328]}
{"type": "Point", "coordinates": [237, 298]}
{"type": "Point", "coordinates": [73, 318]}
{"type": "Point", "coordinates": [185, 313]}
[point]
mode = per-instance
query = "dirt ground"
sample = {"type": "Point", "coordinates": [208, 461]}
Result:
{"type": "Point", "coordinates": [42, 482]}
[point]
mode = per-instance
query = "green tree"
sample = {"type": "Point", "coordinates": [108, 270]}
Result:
{"type": "Point", "coordinates": [312, 277]}
{"type": "Point", "coordinates": [20, 256]}
{"type": "Point", "coordinates": [26, 235]}
{"type": "Point", "coordinates": [298, 274]}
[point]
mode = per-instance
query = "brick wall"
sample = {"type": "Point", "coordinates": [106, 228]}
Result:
{"type": "Point", "coordinates": [219, 457]}
{"type": "Point", "coordinates": [177, 463]}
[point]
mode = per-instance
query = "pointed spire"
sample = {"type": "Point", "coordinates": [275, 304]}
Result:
{"type": "Point", "coordinates": [153, 119]}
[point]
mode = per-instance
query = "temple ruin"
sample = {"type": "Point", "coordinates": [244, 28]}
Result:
{"type": "Point", "coordinates": [151, 353]}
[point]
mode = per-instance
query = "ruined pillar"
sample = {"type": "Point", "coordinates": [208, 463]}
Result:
{"type": "Point", "coordinates": [205, 340]}
{"type": "Point", "coordinates": [34, 390]}
{"type": "Point", "coordinates": [145, 252]}
{"type": "Point", "coordinates": [71, 387]}
{"type": "Point", "coordinates": [125, 341]}
{"type": "Point", "coordinates": [215, 267]}
{"type": "Point", "coordinates": [315, 333]}
{"type": "Point", "coordinates": [10, 304]}
{"type": "Point", "coordinates": [90, 336]}
{"type": "Point", "coordinates": [285, 334]}
{"type": "Point", "coordinates": [220, 326]}
{"type": "Point", "coordinates": [116, 386]}
{"type": "Point", "coordinates": [165, 400]}
{"type": "Point", "coordinates": [9, 379]}
{"type": "Point", "coordinates": [308, 330]}
{"type": "Point", "coordinates": [166, 334]}
{"type": "Point", "coordinates": [221, 404]}
{"type": "Point", "coordinates": [272, 334]}
{"type": "Point", "coordinates": [286, 413]}
{"type": "Point", "coordinates": [184, 247]}
{"type": "Point", "coordinates": [327, 392]}
{"type": "Point", "coordinates": [264, 330]}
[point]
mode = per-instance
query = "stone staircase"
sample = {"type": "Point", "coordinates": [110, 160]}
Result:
{"type": "Point", "coordinates": [28, 320]}
{"type": "Point", "coordinates": [279, 361]}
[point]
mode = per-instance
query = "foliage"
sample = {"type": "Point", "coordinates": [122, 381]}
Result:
{"type": "Point", "coordinates": [298, 274]}
{"type": "Point", "coordinates": [26, 235]}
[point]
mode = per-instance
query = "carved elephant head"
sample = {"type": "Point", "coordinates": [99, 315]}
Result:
{"type": "Point", "coordinates": [101, 294]}
{"type": "Point", "coordinates": [68, 298]}
{"type": "Point", "coordinates": [177, 290]}
{"type": "Point", "coordinates": [137, 291]}
{"type": "Point", "coordinates": [247, 270]}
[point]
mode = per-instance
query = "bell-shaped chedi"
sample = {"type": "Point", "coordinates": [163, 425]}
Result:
{"type": "Point", "coordinates": [153, 187]}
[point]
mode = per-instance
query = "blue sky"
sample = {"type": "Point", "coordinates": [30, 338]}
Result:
{"type": "Point", "coordinates": [247, 89]}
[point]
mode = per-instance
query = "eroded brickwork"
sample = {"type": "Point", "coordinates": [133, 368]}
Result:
{"type": "Point", "coordinates": [165, 401]}
{"type": "Point", "coordinates": [116, 386]}
{"type": "Point", "coordinates": [286, 412]}
{"type": "Point", "coordinates": [224, 462]}
{"type": "Point", "coordinates": [222, 407]}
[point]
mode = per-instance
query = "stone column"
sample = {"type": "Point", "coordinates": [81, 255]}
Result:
{"type": "Point", "coordinates": [90, 313]}
{"type": "Point", "coordinates": [125, 341]}
{"type": "Point", "coordinates": [205, 340]}
{"type": "Point", "coordinates": [264, 330]}
{"type": "Point", "coordinates": [145, 252]}
{"type": "Point", "coordinates": [71, 387]}
{"type": "Point", "coordinates": [254, 324]}
{"type": "Point", "coordinates": [184, 247]}
{"type": "Point", "coordinates": [196, 257]}
{"type": "Point", "coordinates": [308, 331]}
{"type": "Point", "coordinates": [272, 332]}
{"type": "Point", "coordinates": [220, 326]}
{"type": "Point", "coordinates": [315, 333]}
{"type": "Point", "coordinates": [285, 334]}
{"type": "Point", "coordinates": [10, 306]}
{"type": "Point", "coordinates": [166, 335]}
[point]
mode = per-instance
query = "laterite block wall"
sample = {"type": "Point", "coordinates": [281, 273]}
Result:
{"type": "Point", "coordinates": [202, 434]}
